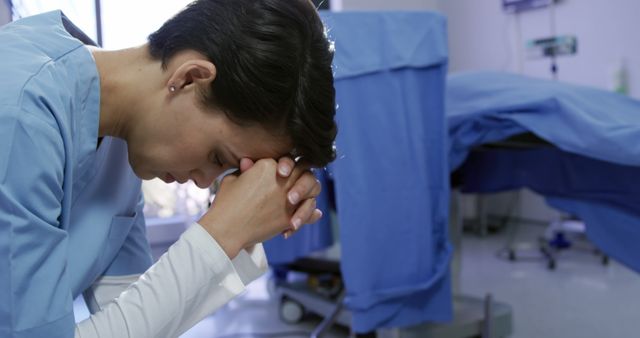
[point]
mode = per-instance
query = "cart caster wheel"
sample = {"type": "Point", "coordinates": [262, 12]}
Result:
{"type": "Point", "coordinates": [512, 255]}
{"type": "Point", "coordinates": [291, 312]}
{"type": "Point", "coordinates": [551, 264]}
{"type": "Point", "coordinates": [605, 260]}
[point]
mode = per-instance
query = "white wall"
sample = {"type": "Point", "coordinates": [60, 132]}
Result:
{"type": "Point", "coordinates": [389, 4]}
{"type": "Point", "coordinates": [127, 23]}
{"type": "Point", "coordinates": [482, 36]}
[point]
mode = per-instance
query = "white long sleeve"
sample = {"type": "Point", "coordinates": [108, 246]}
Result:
{"type": "Point", "coordinates": [105, 290]}
{"type": "Point", "coordinates": [194, 278]}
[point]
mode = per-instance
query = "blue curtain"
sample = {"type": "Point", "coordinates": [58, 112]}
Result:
{"type": "Point", "coordinates": [391, 185]}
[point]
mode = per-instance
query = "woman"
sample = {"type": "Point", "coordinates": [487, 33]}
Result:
{"type": "Point", "coordinates": [224, 84]}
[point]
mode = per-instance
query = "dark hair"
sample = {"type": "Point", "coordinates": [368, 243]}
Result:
{"type": "Point", "coordinates": [273, 62]}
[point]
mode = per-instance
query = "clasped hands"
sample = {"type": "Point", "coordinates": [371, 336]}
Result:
{"type": "Point", "coordinates": [265, 199]}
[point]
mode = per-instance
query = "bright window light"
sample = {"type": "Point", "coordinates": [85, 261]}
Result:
{"type": "Point", "coordinates": [127, 23]}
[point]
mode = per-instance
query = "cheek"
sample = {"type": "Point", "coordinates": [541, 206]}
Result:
{"type": "Point", "coordinates": [185, 157]}
{"type": "Point", "coordinates": [184, 148]}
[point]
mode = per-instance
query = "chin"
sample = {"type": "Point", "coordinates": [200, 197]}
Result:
{"type": "Point", "coordinates": [147, 177]}
{"type": "Point", "coordinates": [140, 173]}
{"type": "Point", "coordinates": [143, 175]}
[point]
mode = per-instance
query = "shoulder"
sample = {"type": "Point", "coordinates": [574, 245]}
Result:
{"type": "Point", "coordinates": [49, 76]}
{"type": "Point", "coordinates": [32, 48]}
{"type": "Point", "coordinates": [32, 155]}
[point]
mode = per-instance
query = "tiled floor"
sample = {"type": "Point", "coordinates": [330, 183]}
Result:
{"type": "Point", "coordinates": [581, 298]}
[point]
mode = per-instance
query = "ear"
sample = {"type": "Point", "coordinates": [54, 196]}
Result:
{"type": "Point", "coordinates": [192, 72]}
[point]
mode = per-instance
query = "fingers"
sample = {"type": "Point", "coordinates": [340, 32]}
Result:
{"type": "Point", "coordinates": [245, 164]}
{"type": "Point", "coordinates": [300, 185]}
{"type": "Point", "coordinates": [288, 169]}
{"type": "Point", "coordinates": [228, 178]}
{"type": "Point", "coordinates": [287, 233]}
{"type": "Point", "coordinates": [285, 166]}
{"type": "Point", "coordinates": [303, 213]}
{"type": "Point", "coordinates": [315, 216]}
{"type": "Point", "coordinates": [305, 187]}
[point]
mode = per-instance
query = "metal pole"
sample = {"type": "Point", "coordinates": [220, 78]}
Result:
{"type": "Point", "coordinates": [487, 326]}
{"type": "Point", "coordinates": [328, 321]}
{"type": "Point", "coordinates": [98, 22]}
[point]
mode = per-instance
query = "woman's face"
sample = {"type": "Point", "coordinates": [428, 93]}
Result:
{"type": "Point", "coordinates": [181, 141]}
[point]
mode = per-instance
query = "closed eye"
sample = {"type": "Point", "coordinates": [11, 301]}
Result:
{"type": "Point", "coordinates": [217, 161]}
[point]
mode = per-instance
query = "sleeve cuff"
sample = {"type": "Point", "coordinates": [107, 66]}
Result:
{"type": "Point", "coordinates": [251, 263]}
{"type": "Point", "coordinates": [247, 265]}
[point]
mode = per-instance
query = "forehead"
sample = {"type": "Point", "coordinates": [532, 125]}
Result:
{"type": "Point", "coordinates": [255, 142]}
{"type": "Point", "coordinates": [235, 141]}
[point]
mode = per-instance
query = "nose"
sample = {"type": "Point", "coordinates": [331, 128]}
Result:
{"type": "Point", "coordinates": [204, 179]}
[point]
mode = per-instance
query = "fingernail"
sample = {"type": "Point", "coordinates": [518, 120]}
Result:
{"type": "Point", "coordinates": [293, 197]}
{"type": "Point", "coordinates": [296, 223]}
{"type": "Point", "coordinates": [284, 170]}
{"type": "Point", "coordinates": [287, 234]}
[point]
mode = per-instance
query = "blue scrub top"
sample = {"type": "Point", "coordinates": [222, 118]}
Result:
{"type": "Point", "coordinates": [70, 211]}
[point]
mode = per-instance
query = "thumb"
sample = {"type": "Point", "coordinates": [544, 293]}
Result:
{"type": "Point", "coordinates": [245, 164]}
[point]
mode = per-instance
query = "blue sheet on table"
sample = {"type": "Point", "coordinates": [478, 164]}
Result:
{"type": "Point", "coordinates": [488, 106]}
{"type": "Point", "coordinates": [391, 177]}
{"type": "Point", "coordinates": [592, 173]}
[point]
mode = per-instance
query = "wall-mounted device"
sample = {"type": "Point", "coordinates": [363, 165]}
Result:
{"type": "Point", "coordinates": [514, 6]}
{"type": "Point", "coordinates": [552, 46]}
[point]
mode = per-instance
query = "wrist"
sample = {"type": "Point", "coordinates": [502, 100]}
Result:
{"type": "Point", "coordinates": [225, 240]}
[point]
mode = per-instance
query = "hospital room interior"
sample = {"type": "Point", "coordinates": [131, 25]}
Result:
{"type": "Point", "coordinates": [487, 158]}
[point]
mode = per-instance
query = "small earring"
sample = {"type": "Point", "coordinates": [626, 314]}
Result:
{"type": "Point", "coordinates": [172, 88]}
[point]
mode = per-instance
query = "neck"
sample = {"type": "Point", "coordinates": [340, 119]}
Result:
{"type": "Point", "coordinates": [126, 78]}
